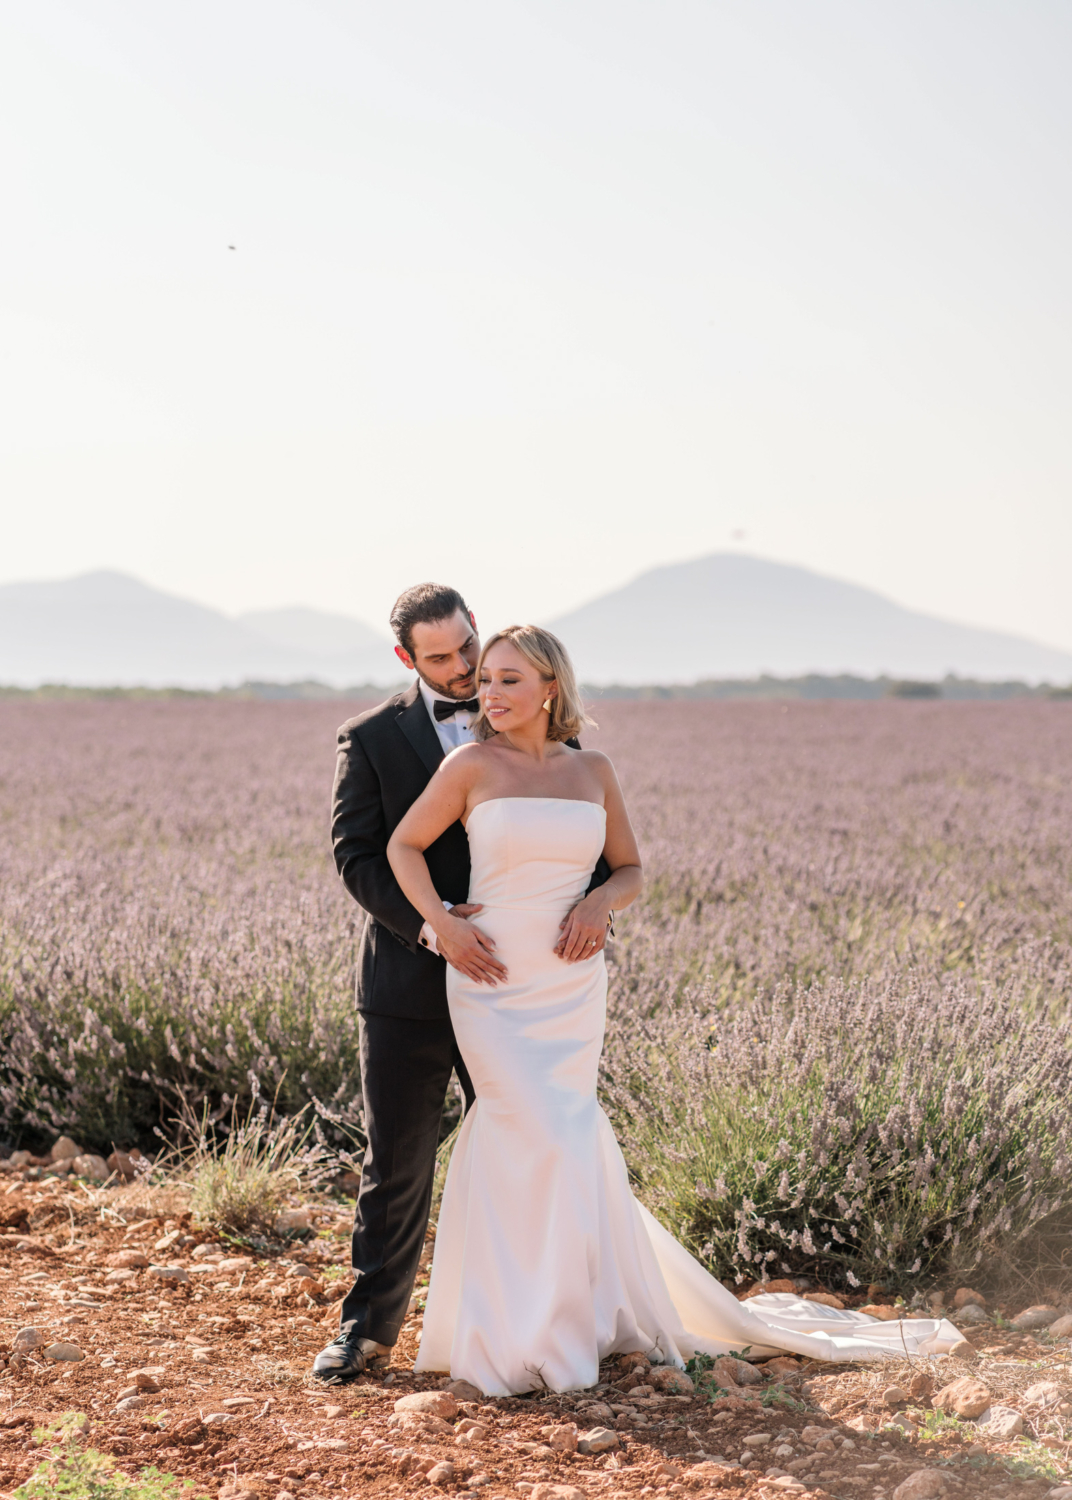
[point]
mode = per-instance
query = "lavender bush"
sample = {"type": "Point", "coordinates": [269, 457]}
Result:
{"type": "Point", "coordinates": [880, 1131]}
{"type": "Point", "coordinates": [855, 884]}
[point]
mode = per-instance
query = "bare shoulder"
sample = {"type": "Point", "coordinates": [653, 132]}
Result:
{"type": "Point", "coordinates": [599, 765]}
{"type": "Point", "coordinates": [467, 763]}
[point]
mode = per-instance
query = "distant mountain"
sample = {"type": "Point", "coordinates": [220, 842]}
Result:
{"type": "Point", "coordinates": [730, 615]}
{"type": "Point", "coordinates": [107, 629]}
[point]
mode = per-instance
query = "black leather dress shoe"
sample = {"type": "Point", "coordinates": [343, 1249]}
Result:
{"type": "Point", "coordinates": [348, 1355]}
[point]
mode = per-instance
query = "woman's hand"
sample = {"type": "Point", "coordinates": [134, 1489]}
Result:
{"type": "Point", "coordinates": [584, 929]}
{"type": "Point", "coordinates": [469, 950]}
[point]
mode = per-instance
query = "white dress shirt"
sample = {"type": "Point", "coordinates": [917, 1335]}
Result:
{"type": "Point", "coordinates": [452, 733]}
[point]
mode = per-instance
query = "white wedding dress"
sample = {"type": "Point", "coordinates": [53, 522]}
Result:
{"type": "Point", "coordinates": [544, 1261]}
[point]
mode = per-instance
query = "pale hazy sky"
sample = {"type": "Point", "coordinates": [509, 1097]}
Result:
{"type": "Point", "coordinates": [531, 296]}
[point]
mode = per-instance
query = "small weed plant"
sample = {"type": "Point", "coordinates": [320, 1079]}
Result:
{"type": "Point", "coordinates": [74, 1472]}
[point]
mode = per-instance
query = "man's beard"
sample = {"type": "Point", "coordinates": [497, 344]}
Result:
{"type": "Point", "coordinates": [453, 688]}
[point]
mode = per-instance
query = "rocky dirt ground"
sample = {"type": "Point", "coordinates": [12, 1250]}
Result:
{"type": "Point", "coordinates": [193, 1355]}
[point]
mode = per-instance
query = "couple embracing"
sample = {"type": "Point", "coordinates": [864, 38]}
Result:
{"type": "Point", "coordinates": [489, 851]}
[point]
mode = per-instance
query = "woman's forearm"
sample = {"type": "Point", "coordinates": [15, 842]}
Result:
{"type": "Point", "coordinates": [411, 872]}
{"type": "Point", "coordinates": [622, 889]}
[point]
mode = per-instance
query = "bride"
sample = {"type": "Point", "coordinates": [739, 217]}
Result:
{"type": "Point", "coordinates": [544, 1261]}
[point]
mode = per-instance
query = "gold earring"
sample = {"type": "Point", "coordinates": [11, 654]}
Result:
{"type": "Point", "coordinates": [547, 705]}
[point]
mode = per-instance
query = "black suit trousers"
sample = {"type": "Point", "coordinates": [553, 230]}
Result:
{"type": "Point", "coordinates": [405, 1072]}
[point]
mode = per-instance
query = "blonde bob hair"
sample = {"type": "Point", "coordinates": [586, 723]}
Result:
{"type": "Point", "coordinates": [547, 654]}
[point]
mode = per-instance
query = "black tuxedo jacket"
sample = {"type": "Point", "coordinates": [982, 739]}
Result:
{"type": "Point", "coordinates": [385, 760]}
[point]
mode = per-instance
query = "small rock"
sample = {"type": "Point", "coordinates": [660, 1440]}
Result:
{"type": "Point", "coordinates": [130, 1403]}
{"type": "Point", "coordinates": [1062, 1492]}
{"type": "Point", "coordinates": [1062, 1329]}
{"type": "Point", "coordinates": [747, 1374]}
{"type": "Point", "coordinates": [218, 1418]}
{"type": "Point", "coordinates": [441, 1474]}
{"type": "Point", "coordinates": [936, 1303]}
{"type": "Point", "coordinates": [674, 1382]}
{"type": "Point", "coordinates": [964, 1398]}
{"type": "Point", "coordinates": [1040, 1316]}
{"type": "Point", "coordinates": [724, 1372]}
{"type": "Point", "coordinates": [308, 1286]}
{"type": "Point", "coordinates": [782, 1364]}
{"type": "Point", "coordinates": [129, 1260]}
{"type": "Point", "coordinates": [598, 1440]}
{"type": "Point", "coordinates": [169, 1273]}
{"type": "Point", "coordinates": [292, 1219]}
{"type": "Point", "coordinates": [667, 1471]}
{"type": "Point", "coordinates": [1044, 1393]}
{"type": "Point", "coordinates": [1001, 1423]}
{"type": "Point", "coordinates": [556, 1492]}
{"type": "Point", "coordinates": [964, 1296]}
{"type": "Point", "coordinates": [145, 1380]}
{"type": "Point", "coordinates": [122, 1165]}
{"type": "Point", "coordinates": [757, 1439]}
{"type": "Point", "coordinates": [63, 1150]}
{"type": "Point", "coordinates": [883, 1312]}
{"type": "Point", "coordinates": [971, 1315]}
{"type": "Point", "coordinates": [461, 1390]}
{"type": "Point", "coordinates": [93, 1167]}
{"type": "Point", "coordinates": [430, 1403]}
{"type": "Point", "coordinates": [562, 1439]}
{"type": "Point", "coordinates": [761, 1288]}
{"type": "Point", "coordinates": [827, 1299]}
{"type": "Point", "coordinates": [28, 1339]}
{"type": "Point", "coordinates": [63, 1353]}
{"type": "Point", "coordinates": [166, 1241]}
{"type": "Point", "coordinates": [924, 1484]}
{"type": "Point", "coordinates": [635, 1361]}
{"type": "Point", "coordinates": [905, 1423]}
{"type": "Point", "coordinates": [119, 1276]}
{"type": "Point", "coordinates": [333, 1413]}
{"type": "Point", "coordinates": [893, 1395]}
{"type": "Point", "coordinates": [236, 1403]}
{"type": "Point", "coordinates": [920, 1386]}
{"type": "Point", "coordinates": [965, 1351]}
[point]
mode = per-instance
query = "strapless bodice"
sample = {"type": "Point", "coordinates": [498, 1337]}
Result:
{"type": "Point", "coordinates": [533, 853]}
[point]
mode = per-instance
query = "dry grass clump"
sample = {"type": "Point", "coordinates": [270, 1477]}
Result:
{"type": "Point", "coordinates": [241, 1173]}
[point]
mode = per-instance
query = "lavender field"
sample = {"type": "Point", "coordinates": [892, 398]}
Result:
{"type": "Point", "coordinates": [838, 1015]}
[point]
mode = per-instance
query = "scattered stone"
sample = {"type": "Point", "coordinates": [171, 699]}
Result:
{"type": "Point", "coordinates": [893, 1395]}
{"type": "Point", "coordinates": [1062, 1492]}
{"type": "Point", "coordinates": [461, 1390]}
{"type": "Point", "coordinates": [64, 1150]}
{"type": "Point", "coordinates": [61, 1353]}
{"type": "Point", "coordinates": [635, 1361]}
{"type": "Point", "coordinates": [964, 1295]}
{"type": "Point", "coordinates": [333, 1413]}
{"type": "Point", "coordinates": [310, 1287]}
{"type": "Point", "coordinates": [429, 1403]}
{"type": "Point", "coordinates": [1044, 1393]}
{"type": "Point", "coordinates": [1040, 1316]}
{"type": "Point", "coordinates": [556, 1492]}
{"type": "Point", "coordinates": [905, 1423]}
{"type": "Point", "coordinates": [757, 1439]}
{"type": "Point", "coordinates": [166, 1241]}
{"type": "Point", "coordinates": [826, 1299]}
{"type": "Point", "coordinates": [667, 1471]}
{"type": "Point", "coordinates": [292, 1219]}
{"type": "Point", "coordinates": [747, 1374]}
{"type": "Point", "coordinates": [169, 1273]}
{"type": "Point", "coordinates": [1001, 1423]}
{"type": "Point", "coordinates": [964, 1398]}
{"type": "Point", "coordinates": [130, 1403]}
{"type": "Point", "coordinates": [145, 1380]}
{"type": "Point", "coordinates": [1062, 1328]}
{"type": "Point", "coordinates": [562, 1439]}
{"type": "Point", "coordinates": [129, 1260]}
{"type": "Point", "coordinates": [782, 1364]}
{"type": "Point", "coordinates": [122, 1165]}
{"type": "Point", "coordinates": [93, 1167]}
{"type": "Point", "coordinates": [965, 1351]}
{"type": "Point", "coordinates": [761, 1288]}
{"type": "Point", "coordinates": [119, 1276]}
{"type": "Point", "coordinates": [598, 1440]}
{"type": "Point", "coordinates": [28, 1339]}
{"type": "Point", "coordinates": [218, 1418]}
{"type": "Point", "coordinates": [441, 1474]}
{"type": "Point", "coordinates": [724, 1371]}
{"type": "Point", "coordinates": [924, 1484]}
{"type": "Point", "coordinates": [883, 1312]}
{"type": "Point", "coordinates": [674, 1382]}
{"type": "Point", "coordinates": [971, 1315]}
{"type": "Point", "coordinates": [235, 1403]}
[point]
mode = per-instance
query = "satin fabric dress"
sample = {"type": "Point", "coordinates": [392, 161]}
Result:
{"type": "Point", "coordinates": [544, 1261]}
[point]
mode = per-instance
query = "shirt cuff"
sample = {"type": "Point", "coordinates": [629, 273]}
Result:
{"type": "Point", "coordinates": [427, 938]}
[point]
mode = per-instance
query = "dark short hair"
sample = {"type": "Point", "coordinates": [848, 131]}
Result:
{"type": "Point", "coordinates": [423, 604]}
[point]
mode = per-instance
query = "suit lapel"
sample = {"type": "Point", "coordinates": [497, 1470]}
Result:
{"type": "Point", "coordinates": [417, 727]}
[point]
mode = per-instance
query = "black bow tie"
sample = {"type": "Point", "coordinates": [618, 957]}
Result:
{"type": "Point", "coordinates": [444, 710]}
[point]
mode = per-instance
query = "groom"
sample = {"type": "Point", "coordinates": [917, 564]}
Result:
{"type": "Point", "coordinates": [386, 758]}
